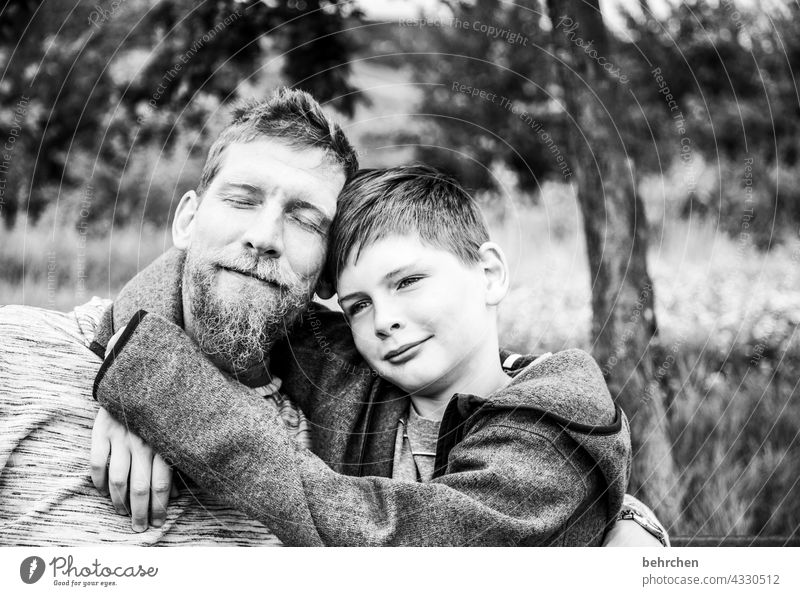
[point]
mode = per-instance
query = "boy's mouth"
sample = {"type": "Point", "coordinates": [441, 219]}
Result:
{"type": "Point", "coordinates": [405, 352]}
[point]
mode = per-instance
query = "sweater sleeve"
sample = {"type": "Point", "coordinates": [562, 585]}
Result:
{"type": "Point", "coordinates": [507, 482]}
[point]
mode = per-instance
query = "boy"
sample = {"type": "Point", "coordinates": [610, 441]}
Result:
{"type": "Point", "coordinates": [540, 458]}
{"type": "Point", "coordinates": [419, 282]}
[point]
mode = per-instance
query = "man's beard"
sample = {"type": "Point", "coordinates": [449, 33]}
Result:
{"type": "Point", "coordinates": [237, 332]}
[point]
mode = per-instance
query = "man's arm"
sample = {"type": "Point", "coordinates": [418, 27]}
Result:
{"type": "Point", "coordinates": [208, 426]}
{"type": "Point", "coordinates": [636, 526]}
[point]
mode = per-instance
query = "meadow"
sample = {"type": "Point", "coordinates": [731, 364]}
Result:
{"type": "Point", "coordinates": [728, 357]}
{"type": "Point", "coordinates": [727, 313]}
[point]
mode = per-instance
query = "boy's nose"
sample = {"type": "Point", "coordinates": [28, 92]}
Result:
{"type": "Point", "coordinates": [386, 322]}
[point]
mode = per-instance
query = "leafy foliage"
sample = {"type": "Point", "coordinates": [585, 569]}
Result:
{"type": "Point", "coordinates": [731, 70]}
{"type": "Point", "coordinates": [103, 78]}
{"type": "Point", "coordinates": [470, 131]}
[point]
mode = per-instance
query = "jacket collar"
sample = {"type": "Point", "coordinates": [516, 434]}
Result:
{"type": "Point", "coordinates": [377, 430]}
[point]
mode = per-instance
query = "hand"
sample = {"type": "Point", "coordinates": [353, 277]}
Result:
{"type": "Point", "coordinates": [119, 455]}
{"type": "Point", "coordinates": [627, 532]}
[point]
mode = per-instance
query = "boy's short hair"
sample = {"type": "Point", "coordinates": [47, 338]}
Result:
{"type": "Point", "coordinates": [292, 116]}
{"type": "Point", "coordinates": [375, 204]}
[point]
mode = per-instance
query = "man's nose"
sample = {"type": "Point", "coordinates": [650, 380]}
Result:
{"type": "Point", "coordinates": [387, 319]}
{"type": "Point", "coordinates": [264, 234]}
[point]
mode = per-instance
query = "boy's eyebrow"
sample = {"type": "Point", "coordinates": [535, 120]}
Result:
{"type": "Point", "coordinates": [348, 297]}
{"type": "Point", "coordinates": [399, 270]}
{"type": "Point", "coordinates": [392, 274]}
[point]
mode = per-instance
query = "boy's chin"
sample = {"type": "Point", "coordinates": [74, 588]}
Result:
{"type": "Point", "coordinates": [414, 385]}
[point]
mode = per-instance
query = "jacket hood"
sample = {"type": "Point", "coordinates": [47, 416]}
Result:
{"type": "Point", "coordinates": [568, 384]}
{"type": "Point", "coordinates": [567, 389]}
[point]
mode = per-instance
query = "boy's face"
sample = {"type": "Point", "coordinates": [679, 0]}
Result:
{"type": "Point", "coordinates": [419, 315]}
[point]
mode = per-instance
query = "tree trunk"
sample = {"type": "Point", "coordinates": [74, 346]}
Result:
{"type": "Point", "coordinates": [624, 330]}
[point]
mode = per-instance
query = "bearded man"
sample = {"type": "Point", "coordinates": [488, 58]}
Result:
{"type": "Point", "coordinates": [268, 188]}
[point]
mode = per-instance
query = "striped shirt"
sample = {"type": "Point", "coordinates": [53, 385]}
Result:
{"type": "Point", "coordinates": [46, 415]}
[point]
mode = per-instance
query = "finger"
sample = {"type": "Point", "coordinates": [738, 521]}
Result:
{"type": "Point", "coordinates": [160, 488]}
{"type": "Point", "coordinates": [141, 472]}
{"type": "Point", "coordinates": [98, 459]}
{"type": "Point", "coordinates": [119, 466]}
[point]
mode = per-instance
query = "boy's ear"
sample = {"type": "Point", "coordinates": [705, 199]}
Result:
{"type": "Point", "coordinates": [183, 224]}
{"type": "Point", "coordinates": [325, 289]}
{"type": "Point", "coordinates": [495, 270]}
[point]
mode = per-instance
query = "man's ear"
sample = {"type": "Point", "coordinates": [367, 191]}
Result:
{"type": "Point", "coordinates": [495, 270]}
{"type": "Point", "coordinates": [325, 288]}
{"type": "Point", "coordinates": [183, 224]}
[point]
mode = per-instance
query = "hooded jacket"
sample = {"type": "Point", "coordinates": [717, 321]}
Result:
{"type": "Point", "coordinates": [545, 460]}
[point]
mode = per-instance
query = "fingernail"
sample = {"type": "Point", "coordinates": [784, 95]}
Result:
{"type": "Point", "coordinates": [157, 523]}
{"type": "Point", "coordinates": [139, 528]}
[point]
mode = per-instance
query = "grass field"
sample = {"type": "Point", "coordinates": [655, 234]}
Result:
{"type": "Point", "coordinates": [59, 267]}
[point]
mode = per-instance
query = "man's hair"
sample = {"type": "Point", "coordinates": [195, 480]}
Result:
{"type": "Point", "coordinates": [293, 117]}
{"type": "Point", "coordinates": [417, 199]}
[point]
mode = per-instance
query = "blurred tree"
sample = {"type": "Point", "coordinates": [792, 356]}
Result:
{"type": "Point", "coordinates": [513, 121]}
{"type": "Point", "coordinates": [624, 328]}
{"type": "Point", "coordinates": [49, 53]}
{"type": "Point", "coordinates": [733, 70]}
{"type": "Point", "coordinates": [103, 76]}
{"type": "Point", "coordinates": [732, 66]}
{"type": "Point", "coordinates": [318, 51]}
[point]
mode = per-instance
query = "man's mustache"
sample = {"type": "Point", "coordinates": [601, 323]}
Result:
{"type": "Point", "coordinates": [267, 270]}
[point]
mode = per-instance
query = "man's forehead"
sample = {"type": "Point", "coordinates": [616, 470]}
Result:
{"type": "Point", "coordinates": [262, 156]}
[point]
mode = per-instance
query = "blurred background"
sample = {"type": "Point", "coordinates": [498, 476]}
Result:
{"type": "Point", "coordinates": [638, 160]}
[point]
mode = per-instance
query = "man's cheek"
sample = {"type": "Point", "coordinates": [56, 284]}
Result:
{"type": "Point", "coordinates": [306, 256]}
{"type": "Point", "coordinates": [214, 226]}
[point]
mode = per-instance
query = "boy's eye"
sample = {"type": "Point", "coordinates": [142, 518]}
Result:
{"type": "Point", "coordinates": [407, 281]}
{"type": "Point", "coordinates": [357, 307]}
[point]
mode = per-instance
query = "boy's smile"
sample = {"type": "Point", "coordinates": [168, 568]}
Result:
{"type": "Point", "coordinates": [405, 352]}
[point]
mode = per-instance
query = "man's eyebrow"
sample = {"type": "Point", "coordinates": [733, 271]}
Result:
{"type": "Point", "coordinates": [243, 186]}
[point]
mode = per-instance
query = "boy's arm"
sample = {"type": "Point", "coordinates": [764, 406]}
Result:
{"type": "Point", "coordinates": [206, 424]}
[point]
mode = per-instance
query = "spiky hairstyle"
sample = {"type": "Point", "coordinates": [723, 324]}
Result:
{"type": "Point", "coordinates": [292, 116]}
{"type": "Point", "coordinates": [417, 199]}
